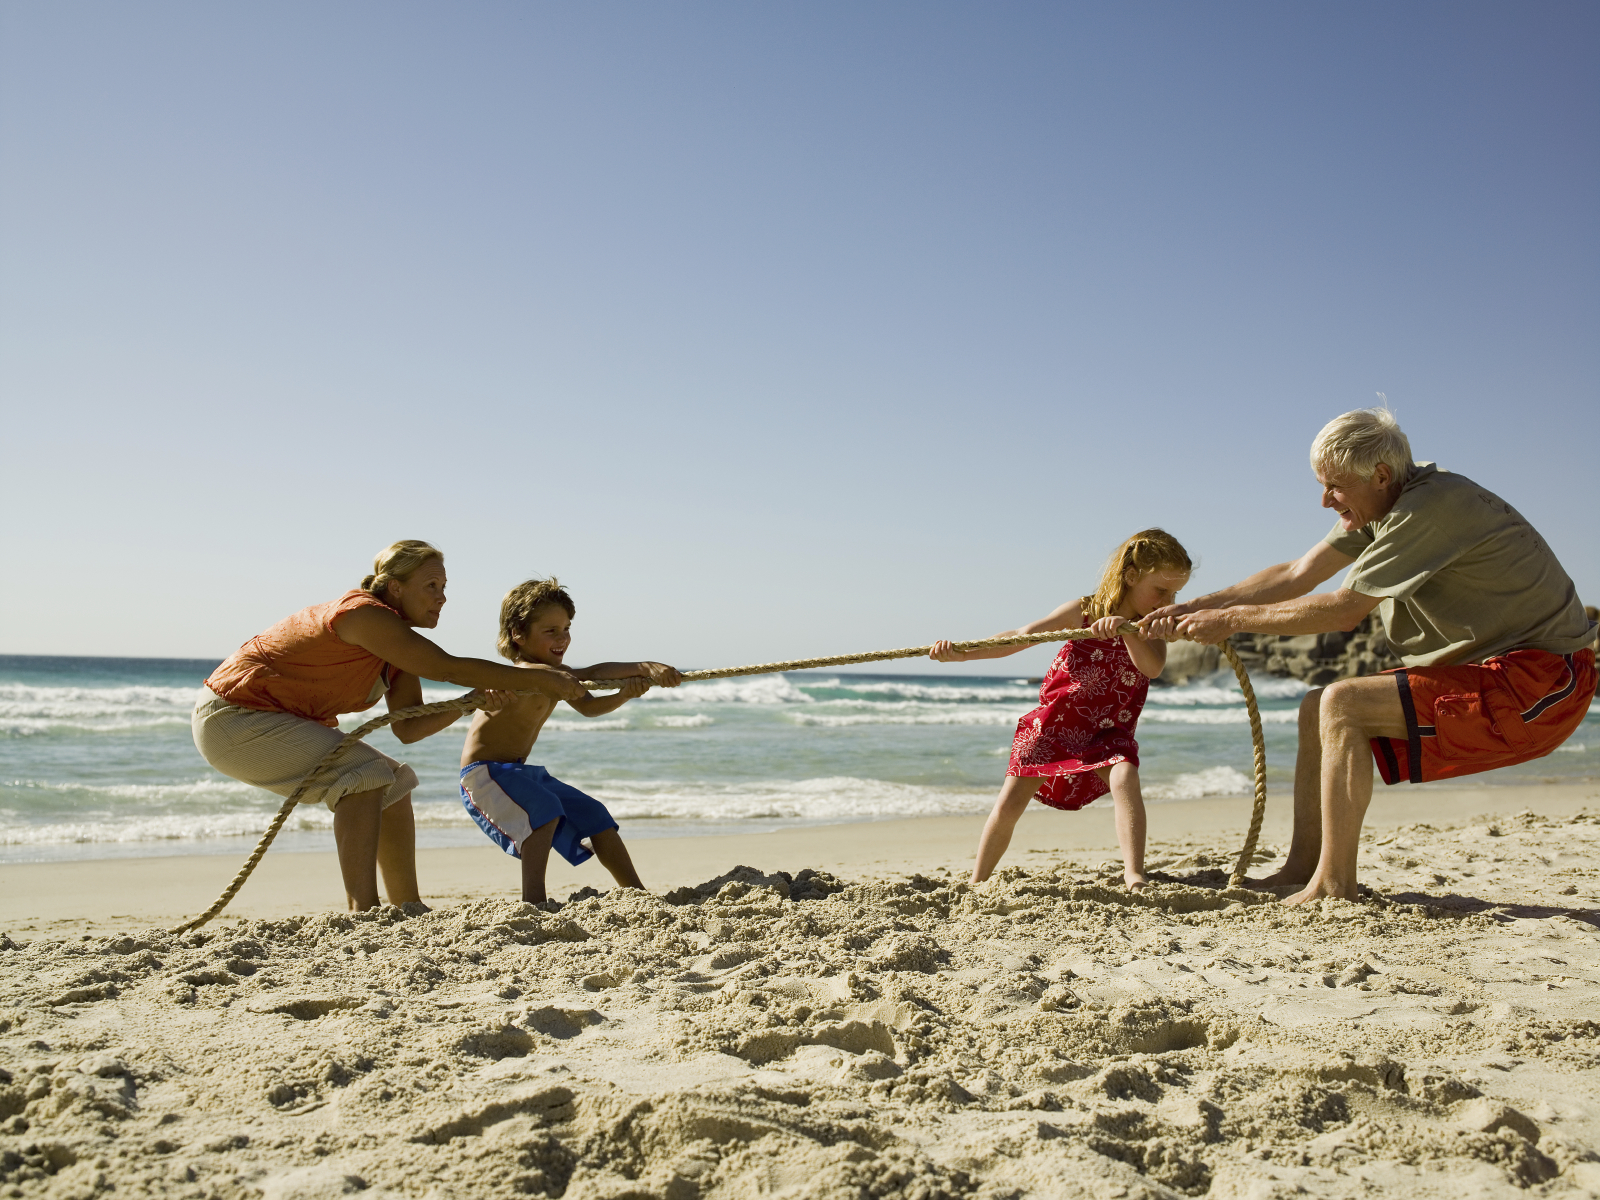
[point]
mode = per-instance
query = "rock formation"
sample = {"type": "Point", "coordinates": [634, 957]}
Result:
{"type": "Point", "coordinates": [1317, 658]}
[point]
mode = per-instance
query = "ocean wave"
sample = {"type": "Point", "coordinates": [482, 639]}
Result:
{"type": "Point", "coordinates": [837, 797]}
{"type": "Point", "coordinates": [938, 692]}
{"type": "Point", "coordinates": [750, 689]}
{"type": "Point", "coordinates": [27, 727]}
{"type": "Point", "coordinates": [587, 726]}
{"type": "Point", "coordinates": [28, 711]}
{"type": "Point", "coordinates": [170, 828]}
{"type": "Point", "coordinates": [851, 704]}
{"type": "Point", "coordinates": [693, 721]}
{"type": "Point", "coordinates": [953, 716]}
{"type": "Point", "coordinates": [1222, 687]}
{"type": "Point", "coordinates": [20, 699]}
{"type": "Point", "coordinates": [148, 793]}
{"type": "Point", "coordinates": [1214, 716]}
{"type": "Point", "coordinates": [1571, 748]}
{"type": "Point", "coordinates": [1213, 781]}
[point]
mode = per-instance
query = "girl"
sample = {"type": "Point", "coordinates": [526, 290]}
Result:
{"type": "Point", "coordinates": [1078, 744]}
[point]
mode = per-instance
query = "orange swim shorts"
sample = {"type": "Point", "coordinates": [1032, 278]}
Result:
{"type": "Point", "coordinates": [1479, 716]}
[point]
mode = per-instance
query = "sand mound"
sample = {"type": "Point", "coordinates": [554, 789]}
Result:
{"type": "Point", "coordinates": [772, 1034]}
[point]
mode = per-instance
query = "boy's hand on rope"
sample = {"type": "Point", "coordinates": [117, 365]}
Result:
{"type": "Point", "coordinates": [560, 683]}
{"type": "Point", "coordinates": [490, 700]}
{"type": "Point", "coordinates": [943, 651]}
{"type": "Point", "coordinates": [662, 675]}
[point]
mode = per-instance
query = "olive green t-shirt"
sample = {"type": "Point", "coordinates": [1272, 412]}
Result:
{"type": "Point", "coordinates": [1462, 574]}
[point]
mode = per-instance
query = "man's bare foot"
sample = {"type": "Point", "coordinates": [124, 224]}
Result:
{"type": "Point", "coordinates": [1137, 881]}
{"type": "Point", "coordinates": [1319, 889]}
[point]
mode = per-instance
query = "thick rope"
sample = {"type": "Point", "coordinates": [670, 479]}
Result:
{"type": "Point", "coordinates": [1259, 744]}
{"type": "Point", "coordinates": [472, 700]}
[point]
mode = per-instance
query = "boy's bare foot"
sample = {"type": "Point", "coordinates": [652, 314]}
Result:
{"type": "Point", "coordinates": [1137, 881]}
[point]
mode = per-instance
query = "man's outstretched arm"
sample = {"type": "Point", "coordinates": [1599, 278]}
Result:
{"type": "Point", "coordinates": [1274, 585]}
{"type": "Point", "coordinates": [1324, 612]}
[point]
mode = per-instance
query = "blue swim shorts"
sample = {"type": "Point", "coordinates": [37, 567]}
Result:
{"type": "Point", "coordinates": [509, 800]}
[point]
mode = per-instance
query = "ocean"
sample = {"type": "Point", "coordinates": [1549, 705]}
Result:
{"type": "Point", "coordinates": [96, 760]}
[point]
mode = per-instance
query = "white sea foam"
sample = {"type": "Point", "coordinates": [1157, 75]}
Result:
{"type": "Point", "coordinates": [1213, 781]}
{"type": "Point", "coordinates": [1213, 716]}
{"type": "Point", "coordinates": [832, 798]}
{"type": "Point", "coordinates": [615, 725]}
{"type": "Point", "coordinates": [33, 727]}
{"type": "Point", "coordinates": [752, 689]}
{"type": "Point", "coordinates": [25, 700]}
{"type": "Point", "coordinates": [208, 790]}
{"type": "Point", "coordinates": [169, 828]}
{"type": "Point", "coordinates": [26, 710]}
{"type": "Point", "coordinates": [853, 704]}
{"type": "Point", "coordinates": [1222, 687]}
{"type": "Point", "coordinates": [939, 692]}
{"type": "Point", "coordinates": [1571, 748]}
{"type": "Point", "coordinates": [953, 716]}
{"type": "Point", "coordinates": [693, 721]}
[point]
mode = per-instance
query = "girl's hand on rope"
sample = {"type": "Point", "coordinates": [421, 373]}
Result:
{"type": "Point", "coordinates": [1107, 627]}
{"type": "Point", "coordinates": [1163, 622]}
{"type": "Point", "coordinates": [943, 651]}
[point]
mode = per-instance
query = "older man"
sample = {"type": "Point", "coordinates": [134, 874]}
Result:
{"type": "Point", "coordinates": [1495, 644]}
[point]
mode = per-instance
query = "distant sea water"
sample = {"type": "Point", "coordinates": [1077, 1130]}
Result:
{"type": "Point", "coordinates": [96, 758]}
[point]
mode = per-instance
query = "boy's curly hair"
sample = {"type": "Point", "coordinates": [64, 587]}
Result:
{"type": "Point", "coordinates": [522, 603]}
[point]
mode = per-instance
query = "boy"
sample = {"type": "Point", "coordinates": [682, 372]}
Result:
{"type": "Point", "coordinates": [522, 808]}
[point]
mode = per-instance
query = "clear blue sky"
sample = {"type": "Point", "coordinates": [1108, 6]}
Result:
{"type": "Point", "coordinates": [773, 329]}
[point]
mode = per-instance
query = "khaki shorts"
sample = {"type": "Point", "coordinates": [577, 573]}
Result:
{"type": "Point", "coordinates": [274, 750]}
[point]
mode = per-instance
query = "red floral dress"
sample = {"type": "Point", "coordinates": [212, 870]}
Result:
{"type": "Point", "coordinates": [1089, 705]}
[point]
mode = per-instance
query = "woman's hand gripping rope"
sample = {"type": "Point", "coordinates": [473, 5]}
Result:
{"type": "Point", "coordinates": [492, 700]}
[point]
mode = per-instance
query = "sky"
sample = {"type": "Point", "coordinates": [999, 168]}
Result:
{"type": "Point", "coordinates": [773, 330]}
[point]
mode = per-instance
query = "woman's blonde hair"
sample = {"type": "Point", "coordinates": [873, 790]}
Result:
{"type": "Point", "coordinates": [398, 563]}
{"type": "Point", "coordinates": [1146, 551]}
{"type": "Point", "coordinates": [522, 603]}
{"type": "Point", "coordinates": [1355, 443]}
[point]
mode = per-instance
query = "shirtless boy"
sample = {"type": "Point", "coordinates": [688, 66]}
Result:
{"type": "Point", "coordinates": [523, 808]}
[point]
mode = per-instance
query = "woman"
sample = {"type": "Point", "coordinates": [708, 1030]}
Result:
{"type": "Point", "coordinates": [273, 710]}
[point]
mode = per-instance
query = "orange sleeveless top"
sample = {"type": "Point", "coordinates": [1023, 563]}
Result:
{"type": "Point", "coordinates": [300, 666]}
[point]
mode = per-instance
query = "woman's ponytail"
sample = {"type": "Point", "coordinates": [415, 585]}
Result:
{"type": "Point", "coordinates": [398, 563]}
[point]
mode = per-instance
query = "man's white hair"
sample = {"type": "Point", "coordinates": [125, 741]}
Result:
{"type": "Point", "coordinates": [1355, 443]}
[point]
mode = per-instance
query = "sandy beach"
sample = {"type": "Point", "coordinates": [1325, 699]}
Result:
{"type": "Point", "coordinates": [828, 1012]}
